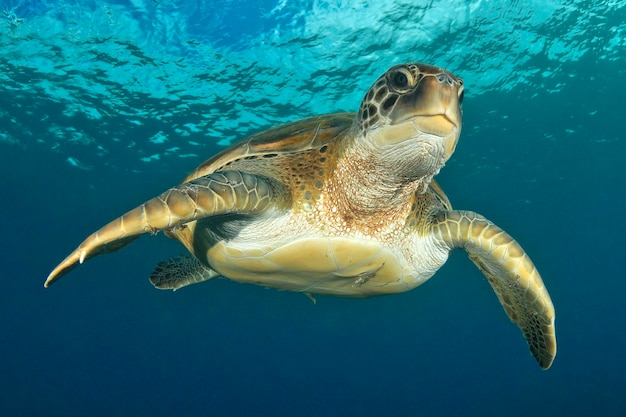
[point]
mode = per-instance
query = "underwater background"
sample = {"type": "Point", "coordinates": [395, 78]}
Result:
{"type": "Point", "coordinates": [104, 104]}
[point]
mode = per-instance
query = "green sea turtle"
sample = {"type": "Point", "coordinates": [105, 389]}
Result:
{"type": "Point", "coordinates": [343, 204]}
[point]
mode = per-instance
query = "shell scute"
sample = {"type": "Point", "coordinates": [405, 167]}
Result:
{"type": "Point", "coordinates": [299, 136]}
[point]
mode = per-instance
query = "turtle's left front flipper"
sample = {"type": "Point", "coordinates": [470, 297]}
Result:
{"type": "Point", "coordinates": [511, 274]}
{"type": "Point", "coordinates": [225, 192]}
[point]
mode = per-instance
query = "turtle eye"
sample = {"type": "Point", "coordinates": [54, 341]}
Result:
{"type": "Point", "coordinates": [401, 80]}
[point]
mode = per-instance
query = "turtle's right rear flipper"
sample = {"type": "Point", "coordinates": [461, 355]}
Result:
{"type": "Point", "coordinates": [211, 195]}
{"type": "Point", "coordinates": [179, 272]}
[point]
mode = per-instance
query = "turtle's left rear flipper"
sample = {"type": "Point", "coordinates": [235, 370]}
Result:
{"type": "Point", "coordinates": [510, 272]}
{"type": "Point", "coordinates": [179, 272]}
{"type": "Point", "coordinates": [211, 195]}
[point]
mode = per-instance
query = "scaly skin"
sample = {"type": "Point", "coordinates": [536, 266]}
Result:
{"type": "Point", "coordinates": [218, 193]}
{"type": "Point", "coordinates": [510, 272]}
{"type": "Point", "coordinates": [179, 272]}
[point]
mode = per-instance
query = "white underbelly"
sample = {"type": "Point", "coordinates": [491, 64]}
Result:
{"type": "Point", "coordinates": [319, 262]}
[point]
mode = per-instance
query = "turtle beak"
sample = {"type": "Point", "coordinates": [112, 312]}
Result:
{"type": "Point", "coordinates": [454, 115]}
{"type": "Point", "coordinates": [435, 108]}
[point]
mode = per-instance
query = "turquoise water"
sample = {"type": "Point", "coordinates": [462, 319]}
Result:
{"type": "Point", "coordinates": [106, 104]}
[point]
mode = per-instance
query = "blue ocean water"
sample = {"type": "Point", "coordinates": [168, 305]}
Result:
{"type": "Point", "coordinates": [105, 104]}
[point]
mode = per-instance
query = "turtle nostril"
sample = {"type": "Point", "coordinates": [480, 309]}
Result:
{"type": "Point", "coordinates": [445, 79]}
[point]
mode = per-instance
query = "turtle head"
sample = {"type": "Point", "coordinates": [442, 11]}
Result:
{"type": "Point", "coordinates": [412, 116]}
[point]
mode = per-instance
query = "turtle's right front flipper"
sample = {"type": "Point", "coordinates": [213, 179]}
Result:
{"type": "Point", "coordinates": [510, 272]}
{"type": "Point", "coordinates": [211, 195]}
